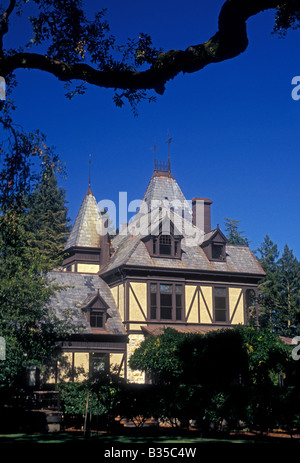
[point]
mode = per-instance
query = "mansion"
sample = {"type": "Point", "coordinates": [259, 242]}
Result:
{"type": "Point", "coordinates": [167, 267]}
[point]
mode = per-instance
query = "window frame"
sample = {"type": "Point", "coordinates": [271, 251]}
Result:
{"type": "Point", "coordinates": [158, 293]}
{"type": "Point", "coordinates": [97, 313]}
{"type": "Point", "coordinates": [95, 357]}
{"type": "Point", "coordinates": [227, 319]}
{"type": "Point", "coordinates": [155, 244]}
{"type": "Point", "coordinates": [222, 257]}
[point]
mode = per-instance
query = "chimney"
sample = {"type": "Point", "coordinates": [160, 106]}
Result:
{"type": "Point", "coordinates": [201, 213]}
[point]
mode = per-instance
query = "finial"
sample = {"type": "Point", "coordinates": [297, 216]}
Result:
{"type": "Point", "coordinates": [169, 141]}
{"type": "Point", "coordinates": [90, 169]}
{"type": "Point", "coordinates": [154, 149]}
{"type": "Point", "coordinates": [89, 188]}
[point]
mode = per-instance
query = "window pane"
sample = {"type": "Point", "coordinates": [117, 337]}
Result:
{"type": "Point", "coordinates": [153, 313]}
{"type": "Point", "coordinates": [175, 248]}
{"type": "Point", "coordinates": [178, 289]}
{"type": "Point", "coordinates": [96, 320]}
{"type": "Point", "coordinates": [178, 307]}
{"type": "Point", "coordinates": [166, 313]}
{"type": "Point", "coordinates": [153, 305]}
{"type": "Point", "coordinates": [166, 302]}
{"type": "Point", "coordinates": [217, 251]}
{"type": "Point", "coordinates": [154, 245]}
{"type": "Point", "coordinates": [166, 289]}
{"type": "Point", "coordinates": [220, 315]}
{"type": "Point", "coordinates": [153, 288]}
{"type": "Point", "coordinates": [220, 292]}
{"type": "Point", "coordinates": [165, 247]}
{"type": "Point", "coordinates": [220, 303]}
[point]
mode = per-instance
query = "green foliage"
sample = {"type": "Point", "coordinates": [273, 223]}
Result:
{"type": "Point", "coordinates": [27, 323]}
{"type": "Point", "coordinates": [233, 234]}
{"type": "Point", "coordinates": [160, 355]}
{"type": "Point", "coordinates": [64, 31]}
{"type": "Point", "coordinates": [279, 291]}
{"type": "Point", "coordinates": [287, 17]}
{"type": "Point", "coordinates": [48, 221]}
{"type": "Point", "coordinates": [219, 358]}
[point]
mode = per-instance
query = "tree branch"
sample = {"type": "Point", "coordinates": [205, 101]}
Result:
{"type": "Point", "coordinates": [4, 21]}
{"type": "Point", "coordinates": [229, 41]}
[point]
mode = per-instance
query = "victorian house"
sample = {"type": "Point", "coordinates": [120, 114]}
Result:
{"type": "Point", "coordinates": [168, 267]}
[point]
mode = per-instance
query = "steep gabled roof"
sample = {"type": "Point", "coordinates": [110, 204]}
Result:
{"type": "Point", "coordinates": [213, 234]}
{"type": "Point", "coordinates": [84, 232]}
{"type": "Point", "coordinates": [130, 250]}
{"type": "Point", "coordinates": [78, 291]}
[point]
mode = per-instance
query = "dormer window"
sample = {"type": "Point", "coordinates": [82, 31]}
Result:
{"type": "Point", "coordinates": [214, 245]}
{"type": "Point", "coordinates": [95, 309]}
{"type": "Point", "coordinates": [164, 244]}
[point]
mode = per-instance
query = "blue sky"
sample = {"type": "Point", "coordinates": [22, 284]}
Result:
{"type": "Point", "coordinates": [234, 125]}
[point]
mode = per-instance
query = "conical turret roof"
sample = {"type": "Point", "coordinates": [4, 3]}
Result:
{"type": "Point", "coordinates": [85, 232]}
{"type": "Point", "coordinates": [164, 191]}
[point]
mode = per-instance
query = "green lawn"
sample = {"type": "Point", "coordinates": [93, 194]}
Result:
{"type": "Point", "coordinates": [67, 437]}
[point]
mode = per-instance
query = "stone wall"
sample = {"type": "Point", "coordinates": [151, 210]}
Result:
{"type": "Point", "coordinates": [134, 376]}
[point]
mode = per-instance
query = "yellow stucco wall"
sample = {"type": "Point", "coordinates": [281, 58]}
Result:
{"type": "Point", "coordinates": [208, 296]}
{"type": "Point", "coordinates": [234, 294]}
{"type": "Point", "coordinates": [140, 291]}
{"type": "Point", "coordinates": [122, 301]}
{"type": "Point", "coordinates": [115, 294]}
{"type": "Point", "coordinates": [88, 268]}
{"type": "Point", "coordinates": [193, 311]}
{"type": "Point", "coordinates": [118, 293]}
{"type": "Point", "coordinates": [115, 361]}
{"type": "Point", "coordinates": [81, 362]}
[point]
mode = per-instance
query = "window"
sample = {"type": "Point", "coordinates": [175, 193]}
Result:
{"type": "Point", "coordinates": [166, 301]}
{"type": "Point", "coordinates": [165, 245]}
{"type": "Point", "coordinates": [97, 319]}
{"type": "Point", "coordinates": [217, 252]}
{"type": "Point", "coordinates": [99, 363]}
{"type": "Point", "coordinates": [220, 296]}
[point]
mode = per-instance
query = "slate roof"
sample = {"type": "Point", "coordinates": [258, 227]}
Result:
{"type": "Point", "coordinates": [78, 289]}
{"type": "Point", "coordinates": [165, 189]}
{"type": "Point", "coordinates": [131, 250]}
{"type": "Point", "coordinates": [84, 232]}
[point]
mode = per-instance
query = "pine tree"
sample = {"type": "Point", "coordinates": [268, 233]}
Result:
{"type": "Point", "coordinates": [233, 234]}
{"type": "Point", "coordinates": [287, 315]}
{"type": "Point", "coordinates": [279, 291]}
{"type": "Point", "coordinates": [48, 218]}
{"type": "Point", "coordinates": [269, 286]}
